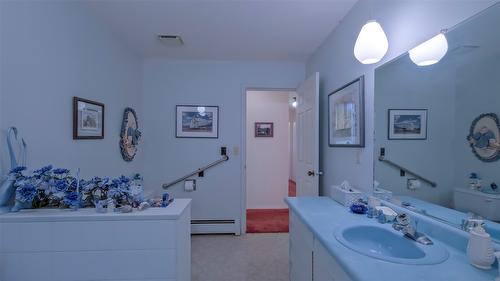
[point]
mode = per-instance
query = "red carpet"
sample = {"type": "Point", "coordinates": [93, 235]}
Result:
{"type": "Point", "coordinates": [292, 188]}
{"type": "Point", "coordinates": [267, 220]}
{"type": "Point", "coordinates": [270, 220]}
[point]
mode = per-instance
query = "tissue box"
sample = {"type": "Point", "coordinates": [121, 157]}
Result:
{"type": "Point", "coordinates": [345, 196]}
{"type": "Point", "coordinates": [382, 194]}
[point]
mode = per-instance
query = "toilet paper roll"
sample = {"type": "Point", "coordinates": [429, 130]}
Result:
{"type": "Point", "coordinates": [189, 185]}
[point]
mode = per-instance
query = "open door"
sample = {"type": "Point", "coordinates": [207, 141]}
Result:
{"type": "Point", "coordinates": [307, 171]}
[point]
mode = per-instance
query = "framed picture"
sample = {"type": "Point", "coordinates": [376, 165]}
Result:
{"type": "Point", "coordinates": [484, 137]}
{"type": "Point", "coordinates": [346, 120]}
{"type": "Point", "coordinates": [197, 121]}
{"type": "Point", "coordinates": [407, 124]}
{"type": "Point", "coordinates": [88, 119]}
{"type": "Point", "coordinates": [264, 129]}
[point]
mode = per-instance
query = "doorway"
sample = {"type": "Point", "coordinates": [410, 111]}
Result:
{"type": "Point", "coordinates": [270, 158]}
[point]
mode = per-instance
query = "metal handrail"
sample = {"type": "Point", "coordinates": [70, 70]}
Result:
{"type": "Point", "coordinates": [381, 158]}
{"type": "Point", "coordinates": [200, 170]}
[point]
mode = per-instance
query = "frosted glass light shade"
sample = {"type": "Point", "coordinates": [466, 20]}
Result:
{"type": "Point", "coordinates": [371, 45]}
{"type": "Point", "coordinates": [431, 51]}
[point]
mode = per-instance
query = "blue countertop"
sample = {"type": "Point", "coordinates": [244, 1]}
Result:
{"type": "Point", "coordinates": [323, 216]}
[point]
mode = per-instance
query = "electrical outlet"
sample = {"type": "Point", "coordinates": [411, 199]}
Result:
{"type": "Point", "coordinates": [236, 150]}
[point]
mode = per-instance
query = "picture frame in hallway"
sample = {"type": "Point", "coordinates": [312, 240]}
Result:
{"type": "Point", "coordinates": [407, 124]}
{"type": "Point", "coordinates": [346, 115]}
{"type": "Point", "coordinates": [264, 129]}
{"type": "Point", "coordinates": [88, 119]}
{"type": "Point", "coordinates": [197, 121]}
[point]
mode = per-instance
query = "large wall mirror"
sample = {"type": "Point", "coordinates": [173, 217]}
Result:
{"type": "Point", "coordinates": [437, 137]}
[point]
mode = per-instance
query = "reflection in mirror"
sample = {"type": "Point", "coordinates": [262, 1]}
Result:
{"type": "Point", "coordinates": [438, 125]}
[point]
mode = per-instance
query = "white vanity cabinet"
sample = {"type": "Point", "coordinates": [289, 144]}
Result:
{"type": "Point", "coordinates": [309, 260]}
{"type": "Point", "coordinates": [82, 245]}
{"type": "Point", "coordinates": [300, 250]}
{"type": "Point", "coordinates": [325, 267]}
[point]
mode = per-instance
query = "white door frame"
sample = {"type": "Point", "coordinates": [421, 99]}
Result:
{"type": "Point", "coordinates": [243, 214]}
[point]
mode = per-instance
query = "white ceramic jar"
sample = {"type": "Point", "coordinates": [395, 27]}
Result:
{"type": "Point", "coordinates": [480, 248]}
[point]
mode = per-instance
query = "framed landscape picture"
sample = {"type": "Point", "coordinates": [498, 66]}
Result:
{"type": "Point", "coordinates": [197, 121]}
{"type": "Point", "coordinates": [346, 123]}
{"type": "Point", "coordinates": [88, 119]}
{"type": "Point", "coordinates": [264, 129]}
{"type": "Point", "coordinates": [407, 124]}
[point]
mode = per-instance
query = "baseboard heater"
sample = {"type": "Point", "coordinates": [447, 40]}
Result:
{"type": "Point", "coordinates": [211, 226]}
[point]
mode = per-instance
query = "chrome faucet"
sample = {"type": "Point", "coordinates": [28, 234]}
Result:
{"type": "Point", "coordinates": [402, 224]}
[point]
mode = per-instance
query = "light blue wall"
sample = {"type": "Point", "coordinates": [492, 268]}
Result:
{"type": "Point", "coordinates": [52, 51]}
{"type": "Point", "coordinates": [406, 23]}
{"type": "Point", "coordinates": [169, 83]}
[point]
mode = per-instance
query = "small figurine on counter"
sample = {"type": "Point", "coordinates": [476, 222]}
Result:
{"type": "Point", "coordinates": [474, 181]}
{"type": "Point", "coordinates": [124, 209]}
{"type": "Point", "coordinates": [143, 206]}
{"type": "Point", "coordinates": [166, 200]}
{"type": "Point", "coordinates": [155, 202]}
{"type": "Point", "coordinates": [358, 208]}
{"type": "Point", "coordinates": [101, 206]}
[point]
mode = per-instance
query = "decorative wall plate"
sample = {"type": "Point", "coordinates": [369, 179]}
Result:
{"type": "Point", "coordinates": [130, 135]}
{"type": "Point", "coordinates": [484, 137]}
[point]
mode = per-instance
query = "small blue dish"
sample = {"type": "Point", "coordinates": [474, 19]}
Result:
{"type": "Point", "coordinates": [358, 208]}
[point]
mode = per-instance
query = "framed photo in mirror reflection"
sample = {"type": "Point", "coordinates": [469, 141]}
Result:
{"type": "Point", "coordinates": [407, 124]}
{"type": "Point", "coordinates": [484, 137]}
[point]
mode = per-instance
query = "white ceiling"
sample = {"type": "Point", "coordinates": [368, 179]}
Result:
{"type": "Point", "coordinates": [224, 30]}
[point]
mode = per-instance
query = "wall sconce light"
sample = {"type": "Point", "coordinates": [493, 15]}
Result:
{"type": "Point", "coordinates": [371, 44]}
{"type": "Point", "coordinates": [431, 51]}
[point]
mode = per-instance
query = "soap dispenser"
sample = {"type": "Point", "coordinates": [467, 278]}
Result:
{"type": "Point", "coordinates": [480, 248]}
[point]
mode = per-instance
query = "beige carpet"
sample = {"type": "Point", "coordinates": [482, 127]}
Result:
{"type": "Point", "coordinates": [250, 257]}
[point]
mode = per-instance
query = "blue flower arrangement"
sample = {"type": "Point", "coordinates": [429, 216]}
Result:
{"type": "Point", "coordinates": [57, 188]}
{"type": "Point", "coordinates": [25, 192]}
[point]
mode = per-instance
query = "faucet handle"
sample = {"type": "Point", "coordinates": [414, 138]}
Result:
{"type": "Point", "coordinates": [470, 223]}
{"type": "Point", "coordinates": [403, 219]}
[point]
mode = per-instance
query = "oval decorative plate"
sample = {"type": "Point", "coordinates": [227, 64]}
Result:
{"type": "Point", "coordinates": [130, 135]}
{"type": "Point", "coordinates": [484, 137]}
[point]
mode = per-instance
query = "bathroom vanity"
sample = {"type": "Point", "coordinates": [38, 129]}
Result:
{"type": "Point", "coordinates": [65, 245]}
{"type": "Point", "coordinates": [324, 245]}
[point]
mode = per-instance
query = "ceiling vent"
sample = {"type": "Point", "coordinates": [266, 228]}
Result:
{"type": "Point", "coordinates": [170, 40]}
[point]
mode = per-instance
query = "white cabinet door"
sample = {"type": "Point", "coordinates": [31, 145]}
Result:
{"type": "Point", "coordinates": [325, 268]}
{"type": "Point", "coordinates": [301, 250]}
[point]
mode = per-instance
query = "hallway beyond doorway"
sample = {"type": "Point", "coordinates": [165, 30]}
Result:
{"type": "Point", "coordinates": [270, 220]}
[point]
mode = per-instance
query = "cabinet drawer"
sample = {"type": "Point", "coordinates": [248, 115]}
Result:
{"type": "Point", "coordinates": [87, 236]}
{"type": "Point", "coordinates": [89, 265]}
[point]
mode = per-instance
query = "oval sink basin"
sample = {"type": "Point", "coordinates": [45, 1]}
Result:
{"type": "Point", "coordinates": [389, 245]}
